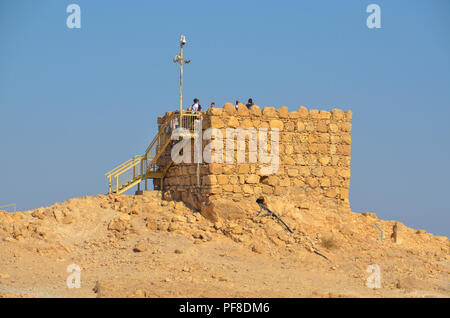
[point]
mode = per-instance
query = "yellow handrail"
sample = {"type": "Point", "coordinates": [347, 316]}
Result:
{"type": "Point", "coordinates": [162, 128]}
{"type": "Point", "coordinates": [162, 140]}
{"type": "Point", "coordinates": [118, 167]}
{"type": "Point", "coordinates": [131, 164]}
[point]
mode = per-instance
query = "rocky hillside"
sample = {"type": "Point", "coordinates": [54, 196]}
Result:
{"type": "Point", "coordinates": [144, 246]}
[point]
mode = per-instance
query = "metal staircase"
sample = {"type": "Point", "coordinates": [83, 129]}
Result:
{"type": "Point", "coordinates": [143, 167]}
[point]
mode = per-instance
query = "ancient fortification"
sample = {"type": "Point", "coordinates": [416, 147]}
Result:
{"type": "Point", "coordinates": [314, 159]}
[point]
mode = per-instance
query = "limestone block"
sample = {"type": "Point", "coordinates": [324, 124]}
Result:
{"type": "Point", "coordinates": [287, 137]}
{"type": "Point", "coordinates": [324, 138]}
{"type": "Point", "coordinates": [344, 172]}
{"type": "Point", "coordinates": [266, 189]}
{"type": "Point", "coordinates": [272, 180]}
{"type": "Point", "coordinates": [222, 179]}
{"type": "Point", "coordinates": [279, 190]}
{"type": "Point", "coordinates": [294, 115]}
{"type": "Point", "coordinates": [334, 128]}
{"type": "Point", "coordinates": [264, 125]}
{"type": "Point", "coordinates": [329, 171]}
{"type": "Point", "coordinates": [243, 168]}
{"type": "Point", "coordinates": [216, 122]}
{"type": "Point", "coordinates": [318, 172]}
{"type": "Point", "coordinates": [288, 149]}
{"type": "Point", "coordinates": [334, 160]}
{"type": "Point", "coordinates": [243, 111]}
{"type": "Point", "coordinates": [246, 188]}
{"type": "Point", "coordinates": [331, 193]}
{"type": "Point", "coordinates": [289, 126]}
{"type": "Point", "coordinates": [269, 112]}
{"type": "Point", "coordinates": [298, 182]}
{"type": "Point", "coordinates": [275, 123]}
{"type": "Point", "coordinates": [337, 114]}
{"type": "Point", "coordinates": [216, 111]}
{"type": "Point", "coordinates": [344, 150]}
{"type": "Point", "coordinates": [247, 123]}
{"type": "Point", "coordinates": [322, 126]}
{"type": "Point", "coordinates": [283, 112]}
{"type": "Point", "coordinates": [347, 139]}
{"type": "Point", "coordinates": [253, 178]}
{"type": "Point", "coordinates": [234, 180]}
{"type": "Point", "coordinates": [300, 160]}
{"type": "Point", "coordinates": [311, 159]}
{"type": "Point", "coordinates": [228, 168]}
{"type": "Point", "coordinates": [255, 110]}
{"type": "Point", "coordinates": [215, 168]}
{"type": "Point", "coordinates": [228, 188]}
{"type": "Point", "coordinates": [323, 114]}
{"type": "Point", "coordinates": [322, 148]}
{"type": "Point", "coordinates": [292, 172]}
{"type": "Point", "coordinates": [325, 160]}
{"type": "Point", "coordinates": [312, 139]}
{"type": "Point", "coordinates": [314, 114]}
{"type": "Point", "coordinates": [325, 182]}
{"type": "Point", "coordinates": [312, 182]}
{"type": "Point", "coordinates": [335, 139]}
{"type": "Point", "coordinates": [300, 126]}
{"type": "Point", "coordinates": [343, 193]}
{"type": "Point", "coordinates": [288, 161]}
{"type": "Point", "coordinates": [216, 190]}
{"type": "Point", "coordinates": [237, 188]}
{"type": "Point", "coordinates": [304, 171]}
{"type": "Point", "coordinates": [310, 126]}
{"type": "Point", "coordinates": [233, 122]}
{"type": "Point", "coordinates": [302, 112]}
{"type": "Point", "coordinates": [285, 182]}
{"type": "Point", "coordinates": [229, 109]}
{"type": "Point", "coordinates": [345, 126]}
{"type": "Point", "coordinates": [312, 148]}
{"type": "Point", "coordinates": [348, 115]}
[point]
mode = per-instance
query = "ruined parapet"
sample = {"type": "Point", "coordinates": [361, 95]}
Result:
{"type": "Point", "coordinates": [313, 150]}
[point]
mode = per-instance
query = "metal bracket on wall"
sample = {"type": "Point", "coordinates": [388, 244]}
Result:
{"type": "Point", "coordinates": [381, 231]}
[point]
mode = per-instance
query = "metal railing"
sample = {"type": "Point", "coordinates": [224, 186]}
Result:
{"type": "Point", "coordinates": [125, 173]}
{"type": "Point", "coordinates": [187, 119]}
{"type": "Point", "coordinates": [138, 168]}
{"type": "Point", "coordinates": [9, 205]}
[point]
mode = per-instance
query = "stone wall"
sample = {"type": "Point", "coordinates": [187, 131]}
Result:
{"type": "Point", "coordinates": [314, 158]}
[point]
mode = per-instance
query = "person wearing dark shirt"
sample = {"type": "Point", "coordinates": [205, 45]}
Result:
{"type": "Point", "coordinates": [250, 103]}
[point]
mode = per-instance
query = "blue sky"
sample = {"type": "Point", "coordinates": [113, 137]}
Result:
{"type": "Point", "coordinates": [76, 102]}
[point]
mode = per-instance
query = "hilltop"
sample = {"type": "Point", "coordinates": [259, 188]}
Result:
{"type": "Point", "coordinates": [145, 246]}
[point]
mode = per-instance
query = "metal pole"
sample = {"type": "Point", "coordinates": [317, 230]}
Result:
{"type": "Point", "coordinates": [181, 79]}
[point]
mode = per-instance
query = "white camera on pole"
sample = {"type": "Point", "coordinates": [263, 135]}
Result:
{"type": "Point", "coordinates": [182, 40]}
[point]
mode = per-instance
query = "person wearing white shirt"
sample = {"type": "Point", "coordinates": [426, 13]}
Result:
{"type": "Point", "coordinates": [196, 106]}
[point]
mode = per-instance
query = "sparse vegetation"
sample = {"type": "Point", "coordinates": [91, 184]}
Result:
{"type": "Point", "coordinates": [328, 243]}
